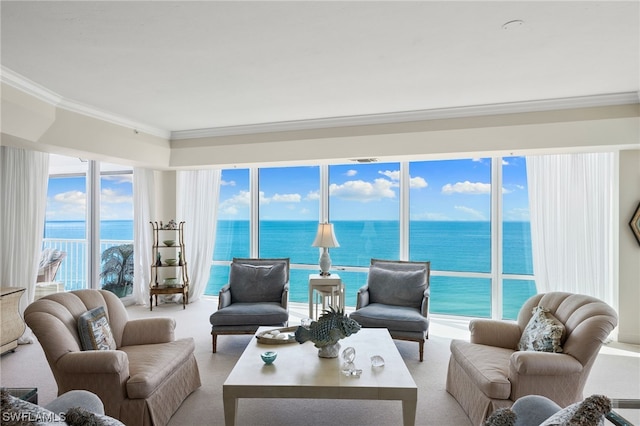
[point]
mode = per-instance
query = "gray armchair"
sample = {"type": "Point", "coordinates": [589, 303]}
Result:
{"type": "Point", "coordinates": [257, 295]}
{"type": "Point", "coordinates": [396, 297]}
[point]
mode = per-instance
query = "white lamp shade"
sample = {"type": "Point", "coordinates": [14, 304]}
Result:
{"type": "Point", "coordinates": [325, 236]}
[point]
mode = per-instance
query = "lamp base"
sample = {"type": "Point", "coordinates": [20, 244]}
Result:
{"type": "Point", "coordinates": [325, 274]}
{"type": "Point", "coordinates": [325, 262]}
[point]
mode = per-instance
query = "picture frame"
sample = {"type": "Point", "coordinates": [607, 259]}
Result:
{"type": "Point", "coordinates": [634, 223]}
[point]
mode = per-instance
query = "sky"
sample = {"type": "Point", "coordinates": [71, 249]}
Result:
{"type": "Point", "coordinates": [67, 198]}
{"type": "Point", "coordinates": [439, 190]}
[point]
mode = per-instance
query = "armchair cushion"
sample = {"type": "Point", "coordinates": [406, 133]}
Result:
{"type": "Point", "coordinates": [392, 317]}
{"type": "Point", "coordinates": [250, 314]}
{"type": "Point", "coordinates": [543, 333]}
{"type": "Point", "coordinates": [257, 283]}
{"type": "Point", "coordinates": [396, 287]}
{"type": "Point", "coordinates": [94, 330]}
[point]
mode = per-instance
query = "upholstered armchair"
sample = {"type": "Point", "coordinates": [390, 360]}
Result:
{"type": "Point", "coordinates": [396, 297]}
{"type": "Point", "coordinates": [137, 367]}
{"type": "Point", "coordinates": [506, 360]}
{"type": "Point", "coordinates": [257, 294]}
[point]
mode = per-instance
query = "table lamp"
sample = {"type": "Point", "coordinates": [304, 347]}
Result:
{"type": "Point", "coordinates": [325, 238]}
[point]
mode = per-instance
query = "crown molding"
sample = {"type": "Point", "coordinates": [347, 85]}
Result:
{"type": "Point", "coordinates": [25, 85]}
{"type": "Point", "coordinates": [34, 89]}
{"type": "Point", "coordinates": [418, 115]}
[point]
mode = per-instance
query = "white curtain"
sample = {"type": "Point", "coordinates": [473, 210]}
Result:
{"type": "Point", "coordinates": [24, 178]}
{"type": "Point", "coordinates": [571, 201]}
{"type": "Point", "coordinates": [197, 198]}
{"type": "Point", "coordinates": [143, 205]}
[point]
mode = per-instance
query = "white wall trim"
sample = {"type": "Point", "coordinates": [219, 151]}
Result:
{"type": "Point", "coordinates": [418, 115]}
{"type": "Point", "coordinates": [23, 84]}
{"type": "Point", "coordinates": [42, 93]}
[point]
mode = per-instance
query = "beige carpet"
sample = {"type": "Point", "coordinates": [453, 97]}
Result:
{"type": "Point", "coordinates": [616, 374]}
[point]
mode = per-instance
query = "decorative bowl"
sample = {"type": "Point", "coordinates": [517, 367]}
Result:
{"type": "Point", "coordinates": [269, 356]}
{"type": "Point", "coordinates": [171, 282]}
{"type": "Point", "coordinates": [170, 261]}
{"type": "Point", "coordinates": [169, 243]}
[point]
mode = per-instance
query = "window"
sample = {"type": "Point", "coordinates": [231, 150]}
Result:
{"type": "Point", "coordinates": [516, 237]}
{"type": "Point", "coordinates": [448, 220]}
{"type": "Point", "coordinates": [71, 226]}
{"type": "Point", "coordinates": [232, 231]}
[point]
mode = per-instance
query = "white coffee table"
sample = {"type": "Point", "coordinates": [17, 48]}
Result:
{"type": "Point", "coordinates": [298, 372]}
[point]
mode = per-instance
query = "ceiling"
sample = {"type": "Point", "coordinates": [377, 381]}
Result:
{"type": "Point", "coordinates": [180, 66]}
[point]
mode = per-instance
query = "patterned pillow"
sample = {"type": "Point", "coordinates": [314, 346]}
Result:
{"type": "Point", "coordinates": [95, 332]}
{"type": "Point", "coordinates": [543, 333]}
{"type": "Point", "coordinates": [589, 412]}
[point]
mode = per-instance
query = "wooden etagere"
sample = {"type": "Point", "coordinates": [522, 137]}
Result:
{"type": "Point", "coordinates": [161, 271]}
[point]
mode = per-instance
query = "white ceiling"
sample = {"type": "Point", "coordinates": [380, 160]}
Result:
{"type": "Point", "coordinates": [178, 66]}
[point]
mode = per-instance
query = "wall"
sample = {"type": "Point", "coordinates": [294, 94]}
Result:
{"type": "Point", "coordinates": [629, 249]}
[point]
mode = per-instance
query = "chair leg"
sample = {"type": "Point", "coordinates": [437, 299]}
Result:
{"type": "Point", "coordinates": [421, 343]}
{"type": "Point", "coordinates": [214, 338]}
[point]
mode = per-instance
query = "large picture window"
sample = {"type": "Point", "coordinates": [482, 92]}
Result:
{"type": "Point", "coordinates": [449, 220]}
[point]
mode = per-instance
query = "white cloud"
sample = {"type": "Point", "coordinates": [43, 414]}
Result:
{"type": "Point", "coordinates": [286, 198]}
{"type": "Point", "coordinates": [359, 190]}
{"type": "Point", "coordinates": [391, 174]}
{"type": "Point", "coordinates": [233, 205]}
{"type": "Point", "coordinates": [228, 182]}
{"type": "Point", "coordinates": [118, 179]}
{"type": "Point", "coordinates": [414, 182]}
{"type": "Point", "coordinates": [351, 172]}
{"type": "Point", "coordinates": [418, 182]}
{"type": "Point", "coordinates": [312, 195]}
{"type": "Point", "coordinates": [71, 197]}
{"type": "Point", "coordinates": [475, 214]}
{"type": "Point", "coordinates": [109, 196]}
{"type": "Point", "coordinates": [467, 187]}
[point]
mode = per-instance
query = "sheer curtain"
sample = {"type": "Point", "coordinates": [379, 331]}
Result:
{"type": "Point", "coordinates": [143, 204]}
{"type": "Point", "coordinates": [197, 198]}
{"type": "Point", "coordinates": [571, 204]}
{"type": "Point", "coordinates": [24, 178]}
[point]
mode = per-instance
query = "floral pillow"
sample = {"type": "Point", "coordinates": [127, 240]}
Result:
{"type": "Point", "coordinates": [95, 331]}
{"type": "Point", "coordinates": [590, 412]}
{"type": "Point", "coordinates": [543, 333]}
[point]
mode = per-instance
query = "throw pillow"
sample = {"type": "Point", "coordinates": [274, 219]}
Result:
{"type": "Point", "coordinates": [80, 417]}
{"type": "Point", "coordinates": [543, 333]}
{"type": "Point", "coordinates": [396, 287]}
{"type": "Point", "coordinates": [257, 283]}
{"type": "Point", "coordinates": [501, 417]}
{"type": "Point", "coordinates": [589, 412]}
{"type": "Point", "coordinates": [16, 412]}
{"type": "Point", "coordinates": [94, 330]}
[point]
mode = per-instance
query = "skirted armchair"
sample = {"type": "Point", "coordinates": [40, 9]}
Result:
{"type": "Point", "coordinates": [396, 297]}
{"type": "Point", "coordinates": [257, 295]}
{"type": "Point", "coordinates": [137, 367]}
{"type": "Point", "coordinates": [549, 351]}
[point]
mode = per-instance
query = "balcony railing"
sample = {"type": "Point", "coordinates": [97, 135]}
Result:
{"type": "Point", "coordinates": [73, 269]}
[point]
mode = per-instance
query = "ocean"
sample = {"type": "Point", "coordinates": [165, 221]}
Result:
{"type": "Point", "coordinates": [449, 246]}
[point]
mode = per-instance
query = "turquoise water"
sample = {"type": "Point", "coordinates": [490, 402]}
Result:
{"type": "Point", "coordinates": [449, 246]}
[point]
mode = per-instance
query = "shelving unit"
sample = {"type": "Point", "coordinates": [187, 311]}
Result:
{"type": "Point", "coordinates": [161, 270]}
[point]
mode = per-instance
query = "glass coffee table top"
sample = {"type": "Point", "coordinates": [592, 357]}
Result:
{"type": "Point", "coordinates": [25, 394]}
{"type": "Point", "coordinates": [617, 405]}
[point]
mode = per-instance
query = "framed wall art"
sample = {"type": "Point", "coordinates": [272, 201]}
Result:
{"type": "Point", "coordinates": [635, 223]}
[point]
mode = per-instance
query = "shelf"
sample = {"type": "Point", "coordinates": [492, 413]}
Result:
{"type": "Point", "coordinates": [162, 271]}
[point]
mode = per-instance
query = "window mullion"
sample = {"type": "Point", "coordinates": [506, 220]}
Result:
{"type": "Point", "coordinates": [496, 238]}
